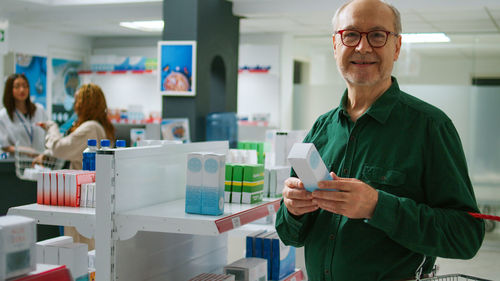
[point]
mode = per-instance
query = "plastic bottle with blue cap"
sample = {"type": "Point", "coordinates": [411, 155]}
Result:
{"type": "Point", "coordinates": [105, 144]}
{"type": "Point", "coordinates": [120, 144]}
{"type": "Point", "coordinates": [88, 162]}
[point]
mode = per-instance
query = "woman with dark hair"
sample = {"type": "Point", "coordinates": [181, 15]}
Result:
{"type": "Point", "coordinates": [19, 116]}
{"type": "Point", "coordinates": [92, 123]}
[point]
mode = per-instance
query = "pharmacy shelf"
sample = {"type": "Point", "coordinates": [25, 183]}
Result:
{"type": "Point", "coordinates": [170, 217]}
{"type": "Point", "coordinates": [81, 218]}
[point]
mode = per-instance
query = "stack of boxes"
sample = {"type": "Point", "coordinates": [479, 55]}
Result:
{"type": "Point", "coordinates": [280, 259]}
{"type": "Point", "coordinates": [244, 183]}
{"type": "Point", "coordinates": [257, 146]}
{"type": "Point", "coordinates": [73, 188]}
{"type": "Point", "coordinates": [62, 251]}
{"type": "Point", "coordinates": [205, 183]}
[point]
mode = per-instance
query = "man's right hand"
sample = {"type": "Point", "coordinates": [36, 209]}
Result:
{"type": "Point", "coordinates": [297, 200]}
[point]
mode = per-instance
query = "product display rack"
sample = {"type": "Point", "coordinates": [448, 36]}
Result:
{"type": "Point", "coordinates": [140, 225]}
{"type": "Point", "coordinates": [81, 218]}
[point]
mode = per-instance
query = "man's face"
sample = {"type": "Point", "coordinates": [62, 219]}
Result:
{"type": "Point", "coordinates": [363, 64]}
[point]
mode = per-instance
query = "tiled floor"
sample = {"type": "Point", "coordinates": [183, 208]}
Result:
{"type": "Point", "coordinates": [486, 264]}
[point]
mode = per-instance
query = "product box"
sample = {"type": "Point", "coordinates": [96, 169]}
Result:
{"type": "Point", "coordinates": [253, 184]}
{"type": "Point", "coordinates": [249, 269]}
{"type": "Point", "coordinates": [194, 183]}
{"type": "Point", "coordinates": [39, 188]}
{"type": "Point", "coordinates": [237, 183]}
{"type": "Point", "coordinates": [280, 149]}
{"type": "Point", "coordinates": [17, 246]}
{"type": "Point", "coordinates": [228, 184]}
{"type": "Point", "coordinates": [267, 250]}
{"type": "Point", "coordinates": [278, 175]}
{"type": "Point", "coordinates": [57, 241]}
{"type": "Point", "coordinates": [83, 195]}
{"type": "Point", "coordinates": [74, 256]}
{"type": "Point", "coordinates": [91, 257]}
{"type": "Point", "coordinates": [90, 195]}
{"type": "Point", "coordinates": [60, 187]}
{"type": "Point", "coordinates": [282, 259]}
{"type": "Point", "coordinates": [250, 243]}
{"type": "Point", "coordinates": [76, 179]}
{"type": "Point", "coordinates": [212, 193]}
{"type": "Point", "coordinates": [53, 188]}
{"type": "Point", "coordinates": [51, 254]}
{"type": "Point", "coordinates": [213, 277]}
{"type": "Point", "coordinates": [46, 188]}
{"type": "Point", "coordinates": [259, 245]}
{"type": "Point", "coordinates": [267, 179]}
{"type": "Point", "coordinates": [308, 165]}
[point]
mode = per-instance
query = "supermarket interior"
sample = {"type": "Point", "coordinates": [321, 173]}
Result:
{"type": "Point", "coordinates": [207, 103]}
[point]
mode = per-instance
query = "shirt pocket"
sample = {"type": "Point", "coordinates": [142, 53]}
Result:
{"type": "Point", "coordinates": [381, 177]}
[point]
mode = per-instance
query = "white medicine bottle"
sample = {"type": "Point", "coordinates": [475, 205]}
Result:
{"type": "Point", "coordinates": [88, 162]}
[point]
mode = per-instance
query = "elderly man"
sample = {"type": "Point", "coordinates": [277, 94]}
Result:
{"type": "Point", "coordinates": [404, 189]}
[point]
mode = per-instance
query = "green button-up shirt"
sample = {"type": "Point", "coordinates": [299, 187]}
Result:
{"type": "Point", "coordinates": [411, 153]}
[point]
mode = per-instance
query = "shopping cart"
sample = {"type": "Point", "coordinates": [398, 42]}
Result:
{"type": "Point", "coordinates": [23, 159]}
{"type": "Point", "coordinates": [454, 277]}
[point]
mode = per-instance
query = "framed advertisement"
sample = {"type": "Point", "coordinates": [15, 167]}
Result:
{"type": "Point", "coordinates": [177, 68]}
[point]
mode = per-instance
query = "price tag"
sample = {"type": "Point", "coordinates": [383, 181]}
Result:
{"type": "Point", "coordinates": [236, 222]}
{"type": "Point", "coordinates": [270, 208]}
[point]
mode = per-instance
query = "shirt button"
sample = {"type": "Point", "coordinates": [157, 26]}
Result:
{"type": "Point", "coordinates": [382, 178]}
{"type": "Point", "coordinates": [345, 171]}
{"type": "Point", "coordinates": [351, 138]}
{"type": "Point", "coordinates": [331, 236]}
{"type": "Point", "coordinates": [327, 271]}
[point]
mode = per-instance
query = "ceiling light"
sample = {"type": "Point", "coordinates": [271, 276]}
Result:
{"type": "Point", "coordinates": [149, 26]}
{"type": "Point", "coordinates": [425, 38]}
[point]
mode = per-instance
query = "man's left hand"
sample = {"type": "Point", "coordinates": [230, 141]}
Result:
{"type": "Point", "coordinates": [354, 199]}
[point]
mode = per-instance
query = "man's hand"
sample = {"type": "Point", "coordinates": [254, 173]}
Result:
{"type": "Point", "coordinates": [355, 199]}
{"type": "Point", "coordinates": [297, 200]}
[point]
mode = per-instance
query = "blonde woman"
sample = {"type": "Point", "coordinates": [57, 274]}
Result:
{"type": "Point", "coordinates": [92, 123]}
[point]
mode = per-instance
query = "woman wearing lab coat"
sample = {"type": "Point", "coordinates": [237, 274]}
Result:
{"type": "Point", "coordinates": [19, 116]}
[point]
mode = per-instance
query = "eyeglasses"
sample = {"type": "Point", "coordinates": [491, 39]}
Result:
{"type": "Point", "coordinates": [376, 38]}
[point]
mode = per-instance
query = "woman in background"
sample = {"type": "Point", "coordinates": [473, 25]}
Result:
{"type": "Point", "coordinates": [92, 123]}
{"type": "Point", "coordinates": [19, 116]}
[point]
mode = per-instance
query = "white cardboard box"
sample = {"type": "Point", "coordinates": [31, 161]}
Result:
{"type": "Point", "coordinates": [308, 165]}
{"type": "Point", "coordinates": [194, 182]}
{"type": "Point", "coordinates": [17, 246]}
{"type": "Point", "coordinates": [75, 257]}
{"type": "Point", "coordinates": [40, 246]}
{"type": "Point", "coordinates": [212, 194]}
{"type": "Point", "coordinates": [252, 269]}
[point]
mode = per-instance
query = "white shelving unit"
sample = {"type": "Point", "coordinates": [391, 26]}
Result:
{"type": "Point", "coordinates": [139, 223]}
{"type": "Point", "coordinates": [81, 218]}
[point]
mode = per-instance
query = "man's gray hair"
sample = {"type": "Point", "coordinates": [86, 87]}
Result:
{"type": "Point", "coordinates": [397, 16]}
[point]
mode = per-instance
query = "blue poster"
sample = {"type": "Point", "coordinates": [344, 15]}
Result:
{"type": "Point", "coordinates": [35, 69]}
{"type": "Point", "coordinates": [65, 82]}
{"type": "Point", "coordinates": [177, 67]}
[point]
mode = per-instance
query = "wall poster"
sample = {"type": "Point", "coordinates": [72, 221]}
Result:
{"type": "Point", "coordinates": [177, 68]}
{"type": "Point", "coordinates": [35, 69]}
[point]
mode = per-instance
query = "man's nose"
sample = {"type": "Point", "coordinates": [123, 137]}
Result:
{"type": "Point", "coordinates": [363, 46]}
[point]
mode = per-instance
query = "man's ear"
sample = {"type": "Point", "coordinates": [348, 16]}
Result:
{"type": "Point", "coordinates": [334, 45]}
{"type": "Point", "coordinates": [398, 47]}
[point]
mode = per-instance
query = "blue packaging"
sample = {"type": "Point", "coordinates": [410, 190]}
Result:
{"type": "Point", "coordinates": [214, 175]}
{"type": "Point", "coordinates": [282, 259]}
{"type": "Point", "coordinates": [88, 161]}
{"type": "Point", "coordinates": [194, 182]}
{"type": "Point", "coordinates": [250, 242]}
{"type": "Point", "coordinates": [267, 250]}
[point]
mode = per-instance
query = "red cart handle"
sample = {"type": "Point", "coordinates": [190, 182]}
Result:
{"type": "Point", "coordinates": [487, 217]}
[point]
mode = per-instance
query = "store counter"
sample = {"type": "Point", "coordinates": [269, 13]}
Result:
{"type": "Point", "coordinates": [15, 192]}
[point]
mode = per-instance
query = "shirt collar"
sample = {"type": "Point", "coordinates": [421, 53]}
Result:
{"type": "Point", "coordinates": [381, 108]}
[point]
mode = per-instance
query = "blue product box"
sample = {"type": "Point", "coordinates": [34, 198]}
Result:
{"type": "Point", "coordinates": [250, 242]}
{"type": "Point", "coordinates": [282, 260]}
{"type": "Point", "coordinates": [267, 250]}
{"type": "Point", "coordinates": [214, 174]}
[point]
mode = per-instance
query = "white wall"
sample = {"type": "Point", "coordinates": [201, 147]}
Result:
{"type": "Point", "coordinates": [272, 93]}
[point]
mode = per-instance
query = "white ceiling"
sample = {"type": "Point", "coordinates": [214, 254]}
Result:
{"type": "Point", "coordinates": [470, 24]}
